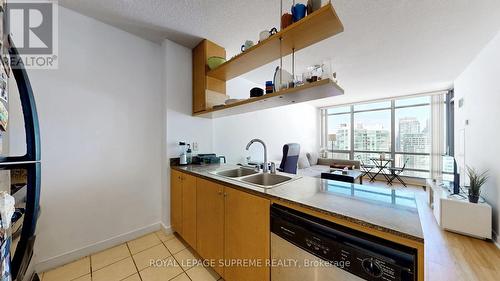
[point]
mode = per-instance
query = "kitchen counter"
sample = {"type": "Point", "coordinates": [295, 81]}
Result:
{"type": "Point", "coordinates": [384, 209]}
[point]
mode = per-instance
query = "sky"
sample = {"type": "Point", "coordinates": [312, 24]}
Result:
{"type": "Point", "coordinates": [382, 118]}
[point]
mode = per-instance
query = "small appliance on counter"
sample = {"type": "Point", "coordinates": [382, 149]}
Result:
{"type": "Point", "coordinates": [183, 153]}
{"type": "Point", "coordinates": [209, 158]}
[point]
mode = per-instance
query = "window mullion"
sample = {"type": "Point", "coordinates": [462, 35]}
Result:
{"type": "Point", "coordinates": [374, 140]}
{"type": "Point", "coordinates": [351, 155]}
{"type": "Point", "coordinates": [393, 133]}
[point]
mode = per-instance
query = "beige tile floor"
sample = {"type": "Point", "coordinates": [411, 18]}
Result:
{"type": "Point", "coordinates": [131, 262]}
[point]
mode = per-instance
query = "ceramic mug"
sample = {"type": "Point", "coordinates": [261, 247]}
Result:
{"type": "Point", "coordinates": [286, 20]}
{"type": "Point", "coordinates": [298, 12]}
{"type": "Point", "coordinates": [248, 44]}
{"type": "Point", "coordinates": [264, 34]}
{"type": "Point", "coordinates": [313, 5]}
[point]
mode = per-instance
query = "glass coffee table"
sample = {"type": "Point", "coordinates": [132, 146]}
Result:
{"type": "Point", "coordinates": [346, 176]}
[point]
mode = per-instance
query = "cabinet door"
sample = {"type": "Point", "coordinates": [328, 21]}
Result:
{"type": "Point", "coordinates": [176, 201]}
{"type": "Point", "coordinates": [247, 235]}
{"type": "Point", "coordinates": [189, 209]}
{"type": "Point", "coordinates": [199, 79]}
{"type": "Point", "coordinates": [210, 221]}
{"type": "Point", "coordinates": [201, 82]}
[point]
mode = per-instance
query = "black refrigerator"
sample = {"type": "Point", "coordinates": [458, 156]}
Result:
{"type": "Point", "coordinates": [20, 174]}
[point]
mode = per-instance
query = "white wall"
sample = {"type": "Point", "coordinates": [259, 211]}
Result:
{"type": "Point", "coordinates": [101, 138]}
{"type": "Point", "coordinates": [180, 124]}
{"type": "Point", "coordinates": [288, 124]}
{"type": "Point", "coordinates": [478, 86]}
{"type": "Point", "coordinates": [277, 126]}
{"type": "Point", "coordinates": [239, 88]}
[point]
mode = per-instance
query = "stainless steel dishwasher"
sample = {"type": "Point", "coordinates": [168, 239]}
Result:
{"type": "Point", "coordinates": [304, 247]}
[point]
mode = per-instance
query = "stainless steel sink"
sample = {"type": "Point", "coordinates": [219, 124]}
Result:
{"type": "Point", "coordinates": [266, 179]}
{"type": "Point", "coordinates": [250, 176]}
{"type": "Point", "coordinates": [236, 173]}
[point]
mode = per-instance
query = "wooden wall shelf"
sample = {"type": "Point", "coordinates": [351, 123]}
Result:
{"type": "Point", "coordinates": [320, 25]}
{"type": "Point", "coordinates": [317, 90]}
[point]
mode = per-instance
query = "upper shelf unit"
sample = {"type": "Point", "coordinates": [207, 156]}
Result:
{"type": "Point", "coordinates": [314, 28]}
{"type": "Point", "coordinates": [312, 91]}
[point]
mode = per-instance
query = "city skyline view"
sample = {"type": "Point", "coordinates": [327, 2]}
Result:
{"type": "Point", "coordinates": [372, 131]}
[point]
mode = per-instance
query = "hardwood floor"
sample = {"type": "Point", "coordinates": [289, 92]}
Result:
{"type": "Point", "coordinates": [451, 256]}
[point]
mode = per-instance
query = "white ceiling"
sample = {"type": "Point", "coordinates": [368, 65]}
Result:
{"type": "Point", "coordinates": [388, 48]}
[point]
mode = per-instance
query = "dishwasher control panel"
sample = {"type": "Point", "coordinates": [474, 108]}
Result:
{"type": "Point", "coordinates": [368, 257]}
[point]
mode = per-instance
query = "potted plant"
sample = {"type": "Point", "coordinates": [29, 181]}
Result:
{"type": "Point", "coordinates": [476, 181]}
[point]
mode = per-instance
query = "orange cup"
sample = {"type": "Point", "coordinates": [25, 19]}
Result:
{"type": "Point", "coordinates": [286, 20]}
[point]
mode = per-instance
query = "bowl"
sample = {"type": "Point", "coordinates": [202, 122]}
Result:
{"type": "Point", "coordinates": [256, 92]}
{"type": "Point", "coordinates": [214, 62]}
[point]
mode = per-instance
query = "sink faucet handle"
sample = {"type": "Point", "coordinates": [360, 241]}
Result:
{"type": "Point", "coordinates": [257, 168]}
{"type": "Point", "coordinates": [265, 167]}
{"type": "Point", "coordinates": [273, 168]}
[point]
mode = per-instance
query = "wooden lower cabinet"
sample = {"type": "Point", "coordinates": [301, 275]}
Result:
{"type": "Point", "coordinates": [183, 206]}
{"type": "Point", "coordinates": [224, 225]}
{"type": "Point", "coordinates": [246, 235]}
{"type": "Point", "coordinates": [189, 209]}
{"type": "Point", "coordinates": [210, 222]}
{"type": "Point", "coordinates": [176, 201]}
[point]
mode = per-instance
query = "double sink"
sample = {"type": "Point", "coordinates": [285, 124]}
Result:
{"type": "Point", "coordinates": [250, 176]}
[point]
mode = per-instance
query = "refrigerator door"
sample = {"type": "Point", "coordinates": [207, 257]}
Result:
{"type": "Point", "coordinates": [20, 172]}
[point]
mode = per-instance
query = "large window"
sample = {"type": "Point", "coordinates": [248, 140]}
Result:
{"type": "Point", "coordinates": [398, 128]}
{"type": "Point", "coordinates": [339, 126]}
{"type": "Point", "coordinates": [372, 131]}
{"type": "Point", "coordinates": [413, 136]}
{"type": "Point", "coordinates": [339, 132]}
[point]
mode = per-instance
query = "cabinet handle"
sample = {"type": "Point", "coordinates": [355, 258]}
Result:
{"type": "Point", "coordinates": [225, 194]}
{"type": "Point", "coordinates": [219, 192]}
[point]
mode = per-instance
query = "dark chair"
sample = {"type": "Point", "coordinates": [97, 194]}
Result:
{"type": "Point", "coordinates": [366, 169]}
{"type": "Point", "coordinates": [396, 172]}
{"type": "Point", "coordinates": [290, 158]}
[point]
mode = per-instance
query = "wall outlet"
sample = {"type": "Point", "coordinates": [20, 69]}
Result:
{"type": "Point", "coordinates": [195, 146]}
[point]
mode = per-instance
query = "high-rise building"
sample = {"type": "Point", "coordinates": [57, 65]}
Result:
{"type": "Point", "coordinates": [412, 139]}
{"type": "Point", "coordinates": [343, 137]}
{"type": "Point", "coordinates": [373, 139]}
{"type": "Point", "coordinates": [407, 125]}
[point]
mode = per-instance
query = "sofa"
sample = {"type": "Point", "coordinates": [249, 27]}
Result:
{"type": "Point", "coordinates": [312, 165]}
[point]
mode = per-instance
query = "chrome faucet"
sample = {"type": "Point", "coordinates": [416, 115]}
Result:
{"type": "Point", "coordinates": [265, 169]}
